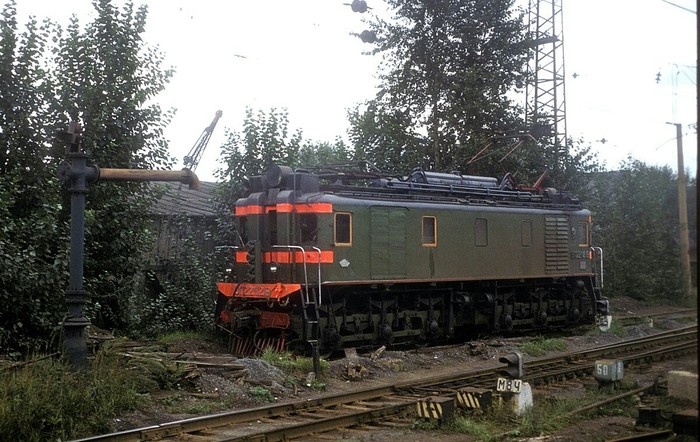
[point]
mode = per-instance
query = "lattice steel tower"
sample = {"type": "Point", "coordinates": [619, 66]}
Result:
{"type": "Point", "coordinates": [545, 104]}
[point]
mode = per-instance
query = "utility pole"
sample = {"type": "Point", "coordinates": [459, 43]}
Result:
{"type": "Point", "coordinates": [683, 214]}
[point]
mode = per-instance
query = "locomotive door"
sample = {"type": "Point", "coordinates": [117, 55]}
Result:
{"type": "Point", "coordinates": [387, 243]}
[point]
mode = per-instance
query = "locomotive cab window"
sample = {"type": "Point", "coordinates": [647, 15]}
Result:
{"type": "Point", "coordinates": [308, 224]}
{"type": "Point", "coordinates": [243, 229]}
{"type": "Point", "coordinates": [429, 231]}
{"type": "Point", "coordinates": [342, 229]}
{"type": "Point", "coordinates": [582, 234]}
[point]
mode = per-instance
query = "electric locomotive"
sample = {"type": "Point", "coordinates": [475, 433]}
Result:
{"type": "Point", "coordinates": [349, 257]}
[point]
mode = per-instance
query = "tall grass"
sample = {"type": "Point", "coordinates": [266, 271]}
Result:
{"type": "Point", "coordinates": [546, 416]}
{"type": "Point", "coordinates": [45, 400]}
{"type": "Point", "coordinates": [290, 362]}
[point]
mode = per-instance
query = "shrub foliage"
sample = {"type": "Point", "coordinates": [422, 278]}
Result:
{"type": "Point", "coordinates": [104, 76]}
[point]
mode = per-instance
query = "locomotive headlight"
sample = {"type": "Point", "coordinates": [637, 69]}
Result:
{"type": "Point", "coordinates": [273, 267]}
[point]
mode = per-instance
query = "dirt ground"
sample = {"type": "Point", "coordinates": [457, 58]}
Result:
{"type": "Point", "coordinates": [210, 390]}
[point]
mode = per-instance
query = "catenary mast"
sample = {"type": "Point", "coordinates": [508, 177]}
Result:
{"type": "Point", "coordinates": [545, 107]}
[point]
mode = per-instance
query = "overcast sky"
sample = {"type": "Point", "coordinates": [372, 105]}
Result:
{"type": "Point", "coordinates": [300, 55]}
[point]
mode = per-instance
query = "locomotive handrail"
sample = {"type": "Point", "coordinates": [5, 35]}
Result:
{"type": "Point", "coordinates": [599, 251]}
{"type": "Point", "coordinates": [319, 273]}
{"type": "Point", "coordinates": [417, 191]}
{"type": "Point", "coordinates": [452, 189]}
{"type": "Point", "coordinates": [218, 248]}
{"type": "Point", "coordinates": [303, 259]}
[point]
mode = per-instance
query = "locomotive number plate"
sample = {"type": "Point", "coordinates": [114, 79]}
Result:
{"type": "Point", "coordinates": [509, 385]}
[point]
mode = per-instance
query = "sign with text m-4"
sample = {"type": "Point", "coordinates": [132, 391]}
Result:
{"type": "Point", "coordinates": [504, 385]}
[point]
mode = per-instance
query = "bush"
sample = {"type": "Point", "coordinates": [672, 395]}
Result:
{"type": "Point", "coordinates": [181, 298]}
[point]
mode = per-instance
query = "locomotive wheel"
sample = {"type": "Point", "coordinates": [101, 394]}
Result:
{"type": "Point", "coordinates": [301, 347]}
{"type": "Point", "coordinates": [296, 346]}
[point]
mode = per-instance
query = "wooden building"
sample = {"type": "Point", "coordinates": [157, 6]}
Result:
{"type": "Point", "coordinates": [180, 217]}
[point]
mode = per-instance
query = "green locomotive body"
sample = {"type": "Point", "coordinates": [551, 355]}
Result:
{"type": "Point", "coordinates": [337, 259]}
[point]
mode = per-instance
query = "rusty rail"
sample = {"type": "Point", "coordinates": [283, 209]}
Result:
{"type": "Point", "coordinates": [306, 416]}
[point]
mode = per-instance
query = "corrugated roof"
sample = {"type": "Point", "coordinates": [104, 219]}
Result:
{"type": "Point", "coordinates": [179, 198]}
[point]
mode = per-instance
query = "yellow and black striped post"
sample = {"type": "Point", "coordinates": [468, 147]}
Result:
{"type": "Point", "coordinates": [436, 407]}
{"type": "Point", "coordinates": [473, 398]}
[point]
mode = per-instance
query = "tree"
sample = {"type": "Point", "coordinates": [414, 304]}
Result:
{"type": "Point", "coordinates": [446, 70]}
{"type": "Point", "coordinates": [104, 76]}
{"type": "Point", "coordinates": [180, 295]}
{"type": "Point", "coordinates": [265, 140]}
{"type": "Point", "coordinates": [33, 237]}
{"type": "Point", "coordinates": [636, 222]}
{"type": "Point", "coordinates": [318, 153]}
{"type": "Point", "coordinates": [107, 76]}
{"type": "Point", "coordinates": [386, 140]}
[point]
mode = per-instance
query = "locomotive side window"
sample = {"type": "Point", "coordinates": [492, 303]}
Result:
{"type": "Point", "coordinates": [526, 233]}
{"type": "Point", "coordinates": [308, 223]}
{"type": "Point", "coordinates": [272, 226]}
{"type": "Point", "coordinates": [342, 229]}
{"type": "Point", "coordinates": [429, 231]}
{"type": "Point", "coordinates": [481, 232]}
{"type": "Point", "coordinates": [243, 228]}
{"type": "Point", "coordinates": [582, 234]}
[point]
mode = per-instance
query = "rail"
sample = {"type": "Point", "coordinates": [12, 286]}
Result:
{"type": "Point", "coordinates": [381, 402]}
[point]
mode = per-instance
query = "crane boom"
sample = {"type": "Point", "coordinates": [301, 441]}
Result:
{"type": "Point", "coordinates": [191, 160]}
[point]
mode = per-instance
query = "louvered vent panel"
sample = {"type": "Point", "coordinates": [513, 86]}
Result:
{"type": "Point", "coordinates": [556, 244]}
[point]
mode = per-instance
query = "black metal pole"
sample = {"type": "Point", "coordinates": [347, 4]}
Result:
{"type": "Point", "coordinates": [74, 322]}
{"type": "Point", "coordinates": [78, 175]}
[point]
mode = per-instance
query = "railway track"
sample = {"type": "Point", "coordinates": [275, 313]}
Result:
{"type": "Point", "coordinates": [635, 319]}
{"type": "Point", "coordinates": [396, 404]}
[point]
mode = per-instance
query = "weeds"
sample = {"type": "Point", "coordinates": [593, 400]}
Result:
{"type": "Point", "coordinates": [171, 338]}
{"type": "Point", "coordinates": [261, 394]}
{"type": "Point", "coordinates": [180, 402]}
{"type": "Point", "coordinates": [616, 329]}
{"type": "Point", "coordinates": [289, 362]}
{"type": "Point", "coordinates": [541, 346]}
{"type": "Point", "coordinates": [46, 400]}
{"type": "Point", "coordinates": [425, 425]}
{"type": "Point", "coordinates": [547, 416]}
{"type": "Point", "coordinates": [481, 430]}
